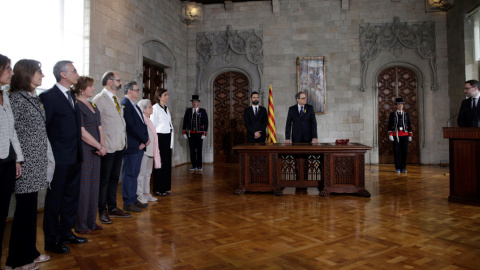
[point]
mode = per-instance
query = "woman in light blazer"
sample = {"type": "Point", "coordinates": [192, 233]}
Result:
{"type": "Point", "coordinates": [162, 120]}
{"type": "Point", "coordinates": [29, 116]}
{"type": "Point", "coordinates": [10, 151]}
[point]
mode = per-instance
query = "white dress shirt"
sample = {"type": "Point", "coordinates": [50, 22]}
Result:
{"type": "Point", "coordinates": [65, 91]}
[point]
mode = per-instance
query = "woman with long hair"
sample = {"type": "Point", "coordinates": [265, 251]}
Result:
{"type": "Point", "coordinates": [162, 120]}
{"type": "Point", "coordinates": [93, 147]}
{"type": "Point", "coordinates": [10, 150]}
{"type": "Point", "coordinates": [29, 116]}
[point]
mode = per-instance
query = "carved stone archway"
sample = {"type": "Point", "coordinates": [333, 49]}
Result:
{"type": "Point", "coordinates": [411, 45]}
{"type": "Point", "coordinates": [159, 51]}
{"type": "Point", "coordinates": [222, 51]}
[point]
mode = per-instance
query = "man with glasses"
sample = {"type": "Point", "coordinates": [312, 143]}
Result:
{"type": "Point", "coordinates": [469, 115]}
{"type": "Point", "coordinates": [137, 140]}
{"type": "Point", "coordinates": [301, 122]}
{"type": "Point", "coordinates": [63, 122]}
{"type": "Point", "coordinates": [113, 125]}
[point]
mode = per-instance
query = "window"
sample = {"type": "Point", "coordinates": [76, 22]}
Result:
{"type": "Point", "coordinates": [47, 31]}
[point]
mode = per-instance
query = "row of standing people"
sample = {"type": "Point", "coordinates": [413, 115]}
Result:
{"type": "Point", "coordinates": [75, 147]}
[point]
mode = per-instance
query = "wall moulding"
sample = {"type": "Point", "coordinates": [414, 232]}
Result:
{"type": "Point", "coordinates": [395, 38]}
{"type": "Point", "coordinates": [241, 49]}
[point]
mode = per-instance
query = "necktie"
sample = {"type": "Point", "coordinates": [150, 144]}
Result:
{"type": "Point", "coordinates": [474, 104]}
{"type": "Point", "coordinates": [194, 120]}
{"type": "Point", "coordinates": [116, 104]}
{"type": "Point", "coordinates": [256, 111]}
{"type": "Point", "coordinates": [69, 97]}
{"type": "Point", "coordinates": [301, 111]}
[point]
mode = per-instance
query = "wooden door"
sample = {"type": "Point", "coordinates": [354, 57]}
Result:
{"type": "Point", "coordinates": [154, 79]}
{"type": "Point", "coordinates": [230, 100]}
{"type": "Point", "coordinates": [392, 83]}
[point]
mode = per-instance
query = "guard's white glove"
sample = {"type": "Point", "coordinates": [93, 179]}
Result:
{"type": "Point", "coordinates": [203, 137]}
{"type": "Point", "coordinates": [185, 136]}
{"type": "Point", "coordinates": [390, 138]}
{"type": "Point", "coordinates": [409, 139]}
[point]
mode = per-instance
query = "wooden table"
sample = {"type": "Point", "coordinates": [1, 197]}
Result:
{"type": "Point", "coordinates": [330, 167]}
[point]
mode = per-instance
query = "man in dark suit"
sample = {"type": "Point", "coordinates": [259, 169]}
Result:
{"type": "Point", "coordinates": [137, 140]}
{"type": "Point", "coordinates": [469, 115]}
{"type": "Point", "coordinates": [256, 119]}
{"type": "Point", "coordinates": [195, 126]}
{"type": "Point", "coordinates": [64, 132]}
{"type": "Point", "coordinates": [301, 122]}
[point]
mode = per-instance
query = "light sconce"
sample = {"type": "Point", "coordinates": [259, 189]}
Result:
{"type": "Point", "coordinates": [191, 12]}
{"type": "Point", "coordinates": [438, 5]}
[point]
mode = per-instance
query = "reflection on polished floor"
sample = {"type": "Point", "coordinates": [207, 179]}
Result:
{"type": "Point", "coordinates": [406, 224]}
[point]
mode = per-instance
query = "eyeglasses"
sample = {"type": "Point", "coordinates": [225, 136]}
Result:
{"type": "Point", "coordinates": [302, 98]}
{"type": "Point", "coordinates": [136, 90]}
{"type": "Point", "coordinates": [466, 88]}
{"type": "Point", "coordinates": [118, 80]}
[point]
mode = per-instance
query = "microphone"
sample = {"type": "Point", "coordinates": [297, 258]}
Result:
{"type": "Point", "coordinates": [448, 122]}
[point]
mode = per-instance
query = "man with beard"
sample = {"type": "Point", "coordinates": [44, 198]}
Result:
{"type": "Point", "coordinates": [255, 119]}
{"type": "Point", "coordinates": [114, 129]}
{"type": "Point", "coordinates": [469, 115]}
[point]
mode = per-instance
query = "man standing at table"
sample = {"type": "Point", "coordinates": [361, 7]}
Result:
{"type": "Point", "coordinates": [301, 122]}
{"type": "Point", "coordinates": [195, 126]}
{"type": "Point", "coordinates": [469, 115]}
{"type": "Point", "coordinates": [255, 119]}
{"type": "Point", "coordinates": [64, 133]}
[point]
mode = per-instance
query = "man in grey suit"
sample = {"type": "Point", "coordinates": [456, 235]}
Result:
{"type": "Point", "coordinates": [113, 124]}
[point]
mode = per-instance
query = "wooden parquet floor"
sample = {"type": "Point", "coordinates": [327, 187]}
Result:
{"type": "Point", "coordinates": [406, 224]}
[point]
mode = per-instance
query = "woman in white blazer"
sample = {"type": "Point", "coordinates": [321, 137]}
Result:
{"type": "Point", "coordinates": [162, 120]}
{"type": "Point", "coordinates": [10, 150]}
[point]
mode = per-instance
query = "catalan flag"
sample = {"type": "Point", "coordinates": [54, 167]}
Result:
{"type": "Point", "coordinates": [272, 132]}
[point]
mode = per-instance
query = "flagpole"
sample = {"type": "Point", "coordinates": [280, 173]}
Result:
{"type": "Point", "coordinates": [272, 133]}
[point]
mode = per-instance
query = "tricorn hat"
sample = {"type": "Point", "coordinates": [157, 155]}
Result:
{"type": "Point", "coordinates": [399, 101]}
{"type": "Point", "coordinates": [195, 97]}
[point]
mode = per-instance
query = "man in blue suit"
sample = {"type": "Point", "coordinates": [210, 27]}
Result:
{"type": "Point", "coordinates": [137, 140]}
{"type": "Point", "coordinates": [64, 132]}
{"type": "Point", "coordinates": [301, 122]}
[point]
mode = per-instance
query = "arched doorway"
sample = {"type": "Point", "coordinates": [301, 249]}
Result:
{"type": "Point", "coordinates": [396, 82]}
{"type": "Point", "coordinates": [230, 94]}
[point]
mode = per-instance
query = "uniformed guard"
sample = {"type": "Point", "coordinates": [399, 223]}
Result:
{"type": "Point", "coordinates": [400, 133]}
{"type": "Point", "coordinates": [195, 126]}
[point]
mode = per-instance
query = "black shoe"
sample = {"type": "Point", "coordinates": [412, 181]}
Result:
{"type": "Point", "coordinates": [141, 205]}
{"type": "Point", "coordinates": [75, 240]}
{"type": "Point", "coordinates": [132, 208]}
{"type": "Point", "coordinates": [58, 248]}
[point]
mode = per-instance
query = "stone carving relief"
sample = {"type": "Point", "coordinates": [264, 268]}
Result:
{"type": "Point", "coordinates": [396, 37]}
{"type": "Point", "coordinates": [225, 48]}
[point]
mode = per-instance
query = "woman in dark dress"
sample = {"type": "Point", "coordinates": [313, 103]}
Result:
{"type": "Point", "coordinates": [93, 147]}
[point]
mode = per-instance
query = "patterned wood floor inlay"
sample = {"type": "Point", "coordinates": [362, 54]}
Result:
{"type": "Point", "coordinates": [406, 224]}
